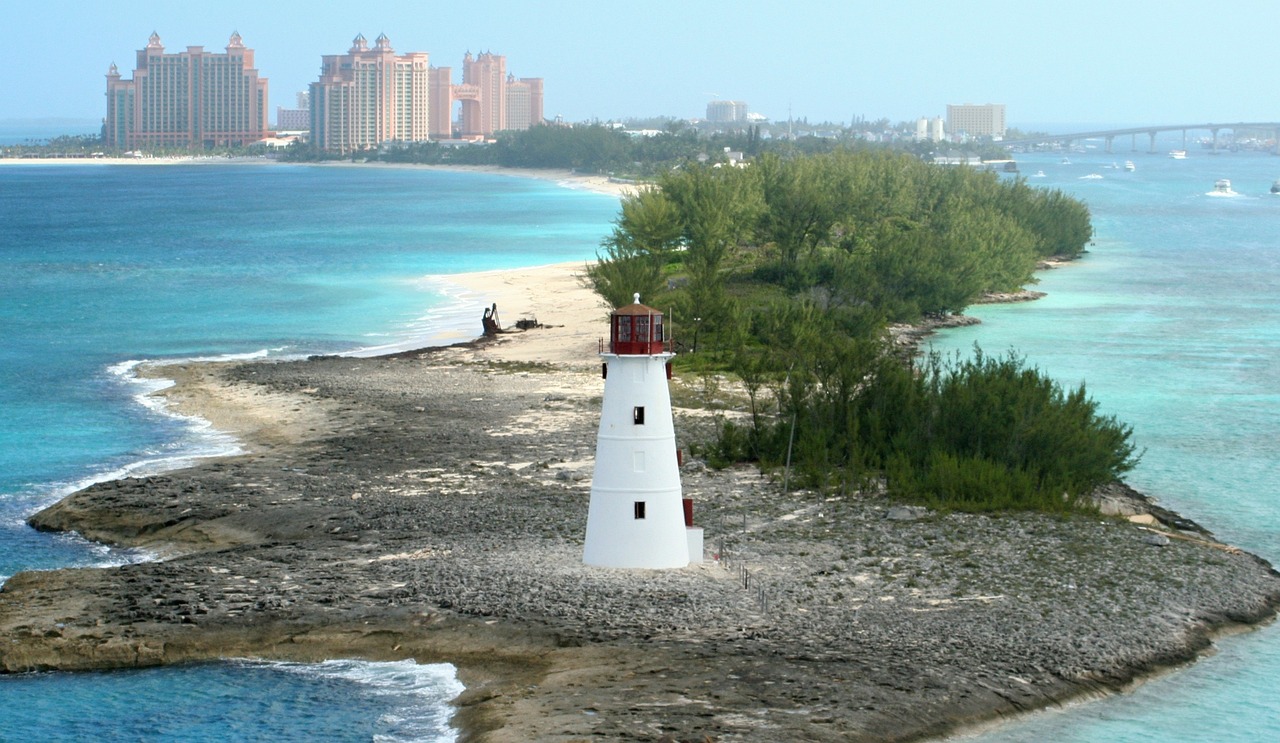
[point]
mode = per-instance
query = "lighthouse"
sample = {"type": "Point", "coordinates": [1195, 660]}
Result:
{"type": "Point", "coordinates": [637, 517]}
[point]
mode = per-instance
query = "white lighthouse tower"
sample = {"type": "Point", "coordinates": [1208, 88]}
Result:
{"type": "Point", "coordinates": [637, 517]}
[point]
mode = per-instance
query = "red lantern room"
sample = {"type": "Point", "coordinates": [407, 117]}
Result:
{"type": "Point", "coordinates": [637, 330]}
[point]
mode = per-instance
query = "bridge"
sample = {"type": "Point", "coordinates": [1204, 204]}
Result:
{"type": "Point", "coordinates": [1151, 131]}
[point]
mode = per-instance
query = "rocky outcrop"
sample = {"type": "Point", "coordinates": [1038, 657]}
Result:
{"type": "Point", "coordinates": [442, 519]}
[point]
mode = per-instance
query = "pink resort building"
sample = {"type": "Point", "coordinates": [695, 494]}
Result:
{"type": "Point", "coordinates": [524, 102]}
{"type": "Point", "coordinates": [492, 100]}
{"type": "Point", "coordinates": [191, 99]}
{"type": "Point", "coordinates": [370, 96]}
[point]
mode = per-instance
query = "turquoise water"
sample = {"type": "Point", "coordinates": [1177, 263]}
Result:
{"type": "Point", "coordinates": [235, 701]}
{"type": "Point", "coordinates": [1173, 323]}
{"type": "Point", "coordinates": [102, 266]}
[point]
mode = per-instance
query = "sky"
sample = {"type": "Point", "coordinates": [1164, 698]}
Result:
{"type": "Point", "coordinates": [1120, 62]}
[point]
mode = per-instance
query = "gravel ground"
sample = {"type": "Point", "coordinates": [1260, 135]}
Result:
{"type": "Point", "coordinates": [440, 516]}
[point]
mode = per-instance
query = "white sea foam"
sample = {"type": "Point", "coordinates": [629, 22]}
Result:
{"type": "Point", "coordinates": [200, 441]}
{"type": "Point", "coordinates": [426, 692]}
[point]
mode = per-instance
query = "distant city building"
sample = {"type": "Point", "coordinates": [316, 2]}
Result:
{"type": "Point", "coordinates": [370, 96]}
{"type": "Point", "coordinates": [297, 119]}
{"type": "Point", "coordinates": [937, 129]}
{"type": "Point", "coordinates": [440, 85]}
{"type": "Point", "coordinates": [985, 120]}
{"type": "Point", "coordinates": [492, 99]}
{"type": "Point", "coordinates": [190, 99]}
{"type": "Point", "coordinates": [524, 102]}
{"type": "Point", "coordinates": [483, 94]}
{"type": "Point", "coordinates": [931, 130]}
{"type": "Point", "coordinates": [293, 119]}
{"type": "Point", "coordinates": [366, 97]}
{"type": "Point", "coordinates": [727, 112]}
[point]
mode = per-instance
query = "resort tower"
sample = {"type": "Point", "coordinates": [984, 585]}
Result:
{"type": "Point", "coordinates": [189, 99]}
{"type": "Point", "coordinates": [370, 96]}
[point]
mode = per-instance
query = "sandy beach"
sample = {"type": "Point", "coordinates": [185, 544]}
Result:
{"type": "Point", "coordinates": [431, 504]}
{"type": "Point", "coordinates": [572, 318]}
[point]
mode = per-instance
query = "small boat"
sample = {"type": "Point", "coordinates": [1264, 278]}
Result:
{"type": "Point", "coordinates": [1178, 154]}
{"type": "Point", "coordinates": [1222, 187]}
{"type": "Point", "coordinates": [1275, 187]}
{"type": "Point", "coordinates": [1066, 161]}
{"type": "Point", "coordinates": [1129, 166]}
{"type": "Point", "coordinates": [1040, 174]}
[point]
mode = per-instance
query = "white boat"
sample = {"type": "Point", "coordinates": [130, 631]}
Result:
{"type": "Point", "coordinates": [1040, 174]}
{"type": "Point", "coordinates": [1066, 161]}
{"type": "Point", "coordinates": [1129, 166]}
{"type": "Point", "coordinates": [1178, 154]}
{"type": "Point", "coordinates": [1275, 187]}
{"type": "Point", "coordinates": [1222, 187]}
{"type": "Point", "coordinates": [1091, 177]}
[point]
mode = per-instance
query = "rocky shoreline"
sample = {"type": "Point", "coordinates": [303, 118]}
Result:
{"type": "Point", "coordinates": [431, 505]}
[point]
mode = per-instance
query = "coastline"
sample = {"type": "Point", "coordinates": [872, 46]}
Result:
{"type": "Point", "coordinates": [429, 505]}
{"type": "Point", "coordinates": [567, 178]}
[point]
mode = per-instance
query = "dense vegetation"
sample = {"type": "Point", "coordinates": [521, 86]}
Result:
{"type": "Point", "coordinates": [65, 146]}
{"type": "Point", "coordinates": [968, 434]}
{"type": "Point", "coordinates": [869, 236]}
{"type": "Point", "coordinates": [89, 146]}
{"type": "Point", "coordinates": [787, 272]}
{"type": "Point", "coordinates": [598, 148]}
{"type": "Point", "coordinates": [586, 148]}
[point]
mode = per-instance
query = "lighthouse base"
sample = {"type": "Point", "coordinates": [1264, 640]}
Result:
{"type": "Point", "coordinates": [694, 536]}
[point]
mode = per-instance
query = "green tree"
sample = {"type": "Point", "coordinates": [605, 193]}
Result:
{"type": "Point", "coordinates": [797, 213]}
{"type": "Point", "coordinates": [715, 207]}
{"type": "Point", "coordinates": [650, 222]}
{"type": "Point", "coordinates": [645, 236]}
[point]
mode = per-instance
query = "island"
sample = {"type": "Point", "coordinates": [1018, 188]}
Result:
{"type": "Point", "coordinates": [432, 505]}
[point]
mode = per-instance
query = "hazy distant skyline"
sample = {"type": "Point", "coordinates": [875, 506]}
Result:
{"type": "Point", "coordinates": [1121, 62]}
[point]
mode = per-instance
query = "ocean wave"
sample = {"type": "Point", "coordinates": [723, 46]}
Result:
{"type": "Point", "coordinates": [198, 440]}
{"type": "Point", "coordinates": [201, 439]}
{"type": "Point", "coordinates": [149, 463]}
{"type": "Point", "coordinates": [453, 320]}
{"type": "Point", "coordinates": [420, 694]}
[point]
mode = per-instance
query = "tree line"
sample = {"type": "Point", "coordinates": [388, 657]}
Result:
{"type": "Point", "coordinates": [608, 149]}
{"type": "Point", "coordinates": [787, 273]}
{"type": "Point", "coordinates": [860, 232]}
